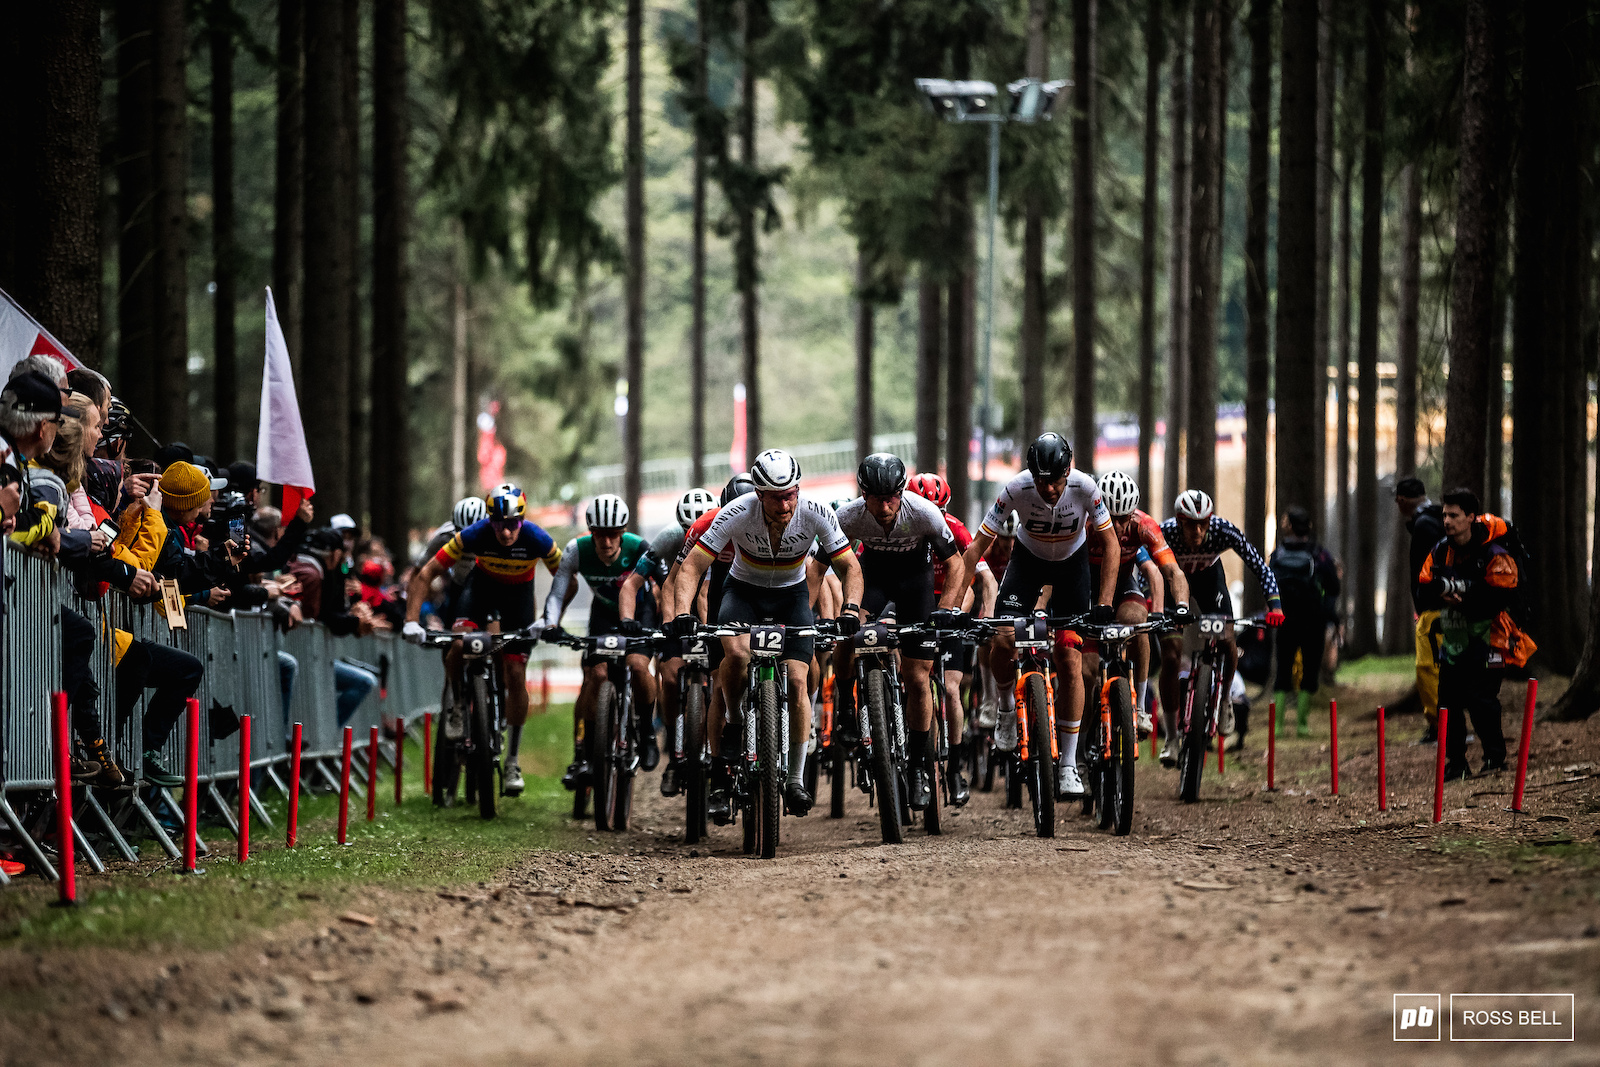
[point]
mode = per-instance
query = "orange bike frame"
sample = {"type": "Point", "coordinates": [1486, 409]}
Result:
{"type": "Point", "coordinates": [825, 728]}
{"type": "Point", "coordinates": [1020, 699]}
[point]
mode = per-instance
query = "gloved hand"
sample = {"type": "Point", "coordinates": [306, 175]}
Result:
{"type": "Point", "coordinates": [553, 635]}
{"type": "Point", "coordinates": [949, 619]}
{"type": "Point", "coordinates": [1275, 618]}
{"type": "Point", "coordinates": [631, 627]}
{"type": "Point", "coordinates": [1182, 614]}
{"type": "Point", "coordinates": [682, 626]}
{"type": "Point", "coordinates": [1102, 615]}
{"type": "Point", "coordinates": [849, 624]}
{"type": "Point", "coordinates": [413, 632]}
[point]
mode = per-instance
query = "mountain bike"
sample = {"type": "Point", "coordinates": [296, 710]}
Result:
{"type": "Point", "coordinates": [881, 760]}
{"type": "Point", "coordinates": [1200, 700]}
{"type": "Point", "coordinates": [1112, 743]}
{"type": "Point", "coordinates": [1033, 764]}
{"type": "Point", "coordinates": [614, 746]}
{"type": "Point", "coordinates": [477, 751]}
{"type": "Point", "coordinates": [689, 744]}
{"type": "Point", "coordinates": [835, 738]}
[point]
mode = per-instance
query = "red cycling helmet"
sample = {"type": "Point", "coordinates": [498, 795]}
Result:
{"type": "Point", "coordinates": [931, 487]}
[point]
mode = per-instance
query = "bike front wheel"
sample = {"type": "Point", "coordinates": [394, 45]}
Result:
{"type": "Point", "coordinates": [885, 780]}
{"type": "Point", "coordinates": [694, 761]}
{"type": "Point", "coordinates": [482, 766]}
{"type": "Point", "coordinates": [604, 755]}
{"type": "Point", "coordinates": [1192, 755]}
{"type": "Point", "coordinates": [1040, 737]}
{"type": "Point", "coordinates": [1116, 764]}
{"type": "Point", "coordinates": [769, 747]}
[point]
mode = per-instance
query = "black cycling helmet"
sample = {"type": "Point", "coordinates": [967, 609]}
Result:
{"type": "Point", "coordinates": [737, 486]}
{"type": "Point", "coordinates": [1049, 457]}
{"type": "Point", "coordinates": [881, 474]}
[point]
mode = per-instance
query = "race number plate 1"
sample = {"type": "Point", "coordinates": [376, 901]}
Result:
{"type": "Point", "coordinates": [1214, 625]}
{"type": "Point", "coordinates": [766, 640]}
{"type": "Point", "coordinates": [611, 645]}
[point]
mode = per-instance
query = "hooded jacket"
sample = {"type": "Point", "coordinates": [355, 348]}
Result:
{"type": "Point", "coordinates": [1484, 572]}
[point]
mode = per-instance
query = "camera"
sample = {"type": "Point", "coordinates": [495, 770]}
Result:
{"type": "Point", "coordinates": [230, 516]}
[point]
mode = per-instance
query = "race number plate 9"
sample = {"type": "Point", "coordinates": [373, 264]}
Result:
{"type": "Point", "coordinates": [1214, 625]}
{"type": "Point", "coordinates": [475, 644]}
{"type": "Point", "coordinates": [766, 640]}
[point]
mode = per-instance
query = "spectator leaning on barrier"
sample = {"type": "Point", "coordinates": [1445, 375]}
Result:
{"type": "Point", "coordinates": [200, 569]}
{"type": "Point", "coordinates": [1472, 579]}
{"type": "Point", "coordinates": [30, 413]}
{"type": "Point", "coordinates": [1425, 525]}
{"type": "Point", "coordinates": [1308, 582]}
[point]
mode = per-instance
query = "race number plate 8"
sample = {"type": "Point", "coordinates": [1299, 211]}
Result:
{"type": "Point", "coordinates": [766, 640]}
{"type": "Point", "coordinates": [611, 645]}
{"type": "Point", "coordinates": [1214, 625]}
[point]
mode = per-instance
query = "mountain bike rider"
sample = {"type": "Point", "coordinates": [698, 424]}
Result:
{"type": "Point", "coordinates": [498, 596]}
{"type": "Point", "coordinates": [958, 653]}
{"type": "Point", "coordinates": [771, 531]}
{"type": "Point", "coordinates": [901, 535]}
{"type": "Point", "coordinates": [1198, 538]}
{"type": "Point", "coordinates": [1136, 530]}
{"type": "Point", "coordinates": [1061, 510]}
{"type": "Point", "coordinates": [602, 557]}
{"type": "Point", "coordinates": [655, 568]}
{"type": "Point", "coordinates": [468, 510]}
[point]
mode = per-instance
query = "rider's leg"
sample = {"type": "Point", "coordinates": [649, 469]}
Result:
{"type": "Point", "coordinates": [716, 719]}
{"type": "Point", "coordinates": [799, 719]}
{"type": "Point", "coordinates": [954, 722]}
{"type": "Point", "coordinates": [1171, 657]}
{"type": "Point", "coordinates": [644, 709]}
{"type": "Point", "coordinates": [514, 675]}
{"type": "Point", "coordinates": [671, 702]}
{"type": "Point", "coordinates": [735, 665]}
{"type": "Point", "coordinates": [1069, 711]}
{"type": "Point", "coordinates": [1135, 612]}
{"type": "Point", "coordinates": [919, 694]}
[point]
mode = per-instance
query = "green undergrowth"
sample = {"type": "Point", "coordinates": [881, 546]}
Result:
{"type": "Point", "coordinates": [1377, 669]}
{"type": "Point", "coordinates": [415, 845]}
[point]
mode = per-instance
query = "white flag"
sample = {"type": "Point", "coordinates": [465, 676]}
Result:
{"type": "Point", "coordinates": [21, 336]}
{"type": "Point", "coordinates": [281, 456]}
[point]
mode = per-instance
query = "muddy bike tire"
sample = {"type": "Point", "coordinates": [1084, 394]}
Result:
{"type": "Point", "coordinates": [1042, 765]}
{"type": "Point", "coordinates": [482, 767]}
{"type": "Point", "coordinates": [446, 768]}
{"type": "Point", "coordinates": [1116, 765]}
{"type": "Point", "coordinates": [885, 779]}
{"type": "Point", "coordinates": [769, 753]}
{"type": "Point", "coordinates": [1192, 754]}
{"type": "Point", "coordinates": [604, 767]}
{"type": "Point", "coordinates": [694, 761]}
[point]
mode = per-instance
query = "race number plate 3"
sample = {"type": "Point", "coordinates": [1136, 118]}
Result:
{"type": "Point", "coordinates": [611, 645]}
{"type": "Point", "coordinates": [873, 637]}
{"type": "Point", "coordinates": [766, 640]}
{"type": "Point", "coordinates": [1214, 625]}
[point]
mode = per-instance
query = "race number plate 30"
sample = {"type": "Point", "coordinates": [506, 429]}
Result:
{"type": "Point", "coordinates": [1214, 625]}
{"type": "Point", "coordinates": [766, 640]}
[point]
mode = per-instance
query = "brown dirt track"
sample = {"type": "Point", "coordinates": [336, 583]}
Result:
{"type": "Point", "coordinates": [986, 946]}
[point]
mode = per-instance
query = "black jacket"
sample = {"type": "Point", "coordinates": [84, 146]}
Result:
{"type": "Point", "coordinates": [1426, 528]}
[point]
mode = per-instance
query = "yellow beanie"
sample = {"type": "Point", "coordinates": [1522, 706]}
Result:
{"type": "Point", "coordinates": [185, 486]}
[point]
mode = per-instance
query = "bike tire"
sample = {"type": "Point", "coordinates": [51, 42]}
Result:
{"type": "Point", "coordinates": [1044, 767]}
{"type": "Point", "coordinates": [983, 762]}
{"type": "Point", "coordinates": [483, 762]}
{"type": "Point", "coordinates": [885, 780]}
{"type": "Point", "coordinates": [694, 761]}
{"type": "Point", "coordinates": [1117, 778]}
{"type": "Point", "coordinates": [770, 748]}
{"type": "Point", "coordinates": [836, 780]}
{"type": "Point", "coordinates": [446, 768]}
{"type": "Point", "coordinates": [1192, 755]}
{"type": "Point", "coordinates": [601, 749]}
{"type": "Point", "coordinates": [932, 815]}
{"type": "Point", "coordinates": [1013, 770]}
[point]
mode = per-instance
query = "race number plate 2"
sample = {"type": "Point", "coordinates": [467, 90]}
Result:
{"type": "Point", "coordinates": [696, 652]}
{"type": "Point", "coordinates": [766, 640]}
{"type": "Point", "coordinates": [611, 645]}
{"type": "Point", "coordinates": [1214, 625]}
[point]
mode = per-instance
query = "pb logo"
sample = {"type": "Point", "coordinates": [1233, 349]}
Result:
{"type": "Point", "coordinates": [1416, 1017]}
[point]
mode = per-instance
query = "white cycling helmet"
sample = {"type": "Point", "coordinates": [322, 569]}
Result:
{"type": "Point", "coordinates": [1010, 524]}
{"type": "Point", "coordinates": [1194, 504]}
{"type": "Point", "coordinates": [775, 471]}
{"type": "Point", "coordinates": [692, 505]}
{"type": "Point", "coordinates": [468, 510]}
{"type": "Point", "coordinates": [1121, 493]}
{"type": "Point", "coordinates": [607, 511]}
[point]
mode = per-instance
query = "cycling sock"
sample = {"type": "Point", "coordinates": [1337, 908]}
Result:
{"type": "Point", "coordinates": [919, 743]}
{"type": "Point", "coordinates": [513, 741]}
{"type": "Point", "coordinates": [1068, 736]}
{"type": "Point", "coordinates": [797, 763]}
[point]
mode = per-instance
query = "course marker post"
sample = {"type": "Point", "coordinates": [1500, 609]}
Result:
{"type": "Point", "coordinates": [399, 755]}
{"type": "Point", "coordinates": [1222, 744]}
{"type": "Point", "coordinates": [1383, 765]}
{"type": "Point", "coordinates": [1438, 773]}
{"type": "Point", "coordinates": [191, 788]}
{"type": "Point", "coordinates": [372, 775]}
{"type": "Point", "coordinates": [1333, 744]}
{"type": "Point", "coordinates": [427, 752]}
{"type": "Point", "coordinates": [62, 724]}
{"type": "Point", "coordinates": [1272, 746]}
{"type": "Point", "coordinates": [294, 790]}
{"type": "Point", "coordinates": [1527, 742]}
{"type": "Point", "coordinates": [244, 788]}
{"type": "Point", "coordinates": [344, 788]}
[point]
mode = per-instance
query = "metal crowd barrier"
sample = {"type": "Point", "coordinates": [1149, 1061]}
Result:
{"type": "Point", "coordinates": [240, 655]}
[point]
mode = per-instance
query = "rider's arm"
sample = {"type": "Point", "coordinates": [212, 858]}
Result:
{"type": "Point", "coordinates": [815, 569]}
{"type": "Point", "coordinates": [848, 568]}
{"type": "Point", "coordinates": [1241, 545]}
{"type": "Point", "coordinates": [628, 595]}
{"type": "Point", "coordinates": [987, 590]}
{"type": "Point", "coordinates": [667, 598]}
{"type": "Point", "coordinates": [955, 581]}
{"type": "Point", "coordinates": [1158, 588]}
{"type": "Point", "coordinates": [690, 571]}
{"type": "Point", "coordinates": [1110, 557]}
{"type": "Point", "coordinates": [421, 584]}
{"type": "Point", "coordinates": [562, 587]}
{"type": "Point", "coordinates": [974, 553]}
{"type": "Point", "coordinates": [1177, 583]}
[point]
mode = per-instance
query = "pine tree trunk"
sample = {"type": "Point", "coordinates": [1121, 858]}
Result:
{"type": "Point", "coordinates": [50, 174]}
{"type": "Point", "coordinates": [136, 275]}
{"type": "Point", "coordinates": [1085, 13]}
{"type": "Point", "coordinates": [325, 397]}
{"type": "Point", "coordinates": [930, 330]}
{"type": "Point", "coordinates": [745, 254]}
{"type": "Point", "coordinates": [864, 346]}
{"type": "Point", "coordinates": [697, 281]}
{"type": "Point", "coordinates": [1257, 342]}
{"type": "Point", "coordinates": [1297, 377]}
{"type": "Point", "coordinates": [1178, 276]}
{"type": "Point", "coordinates": [1494, 456]}
{"type": "Point", "coordinates": [960, 324]}
{"type": "Point", "coordinates": [225, 370]}
{"type": "Point", "coordinates": [1148, 238]}
{"type": "Point", "coordinates": [1473, 275]}
{"type": "Point", "coordinates": [459, 369]}
{"type": "Point", "coordinates": [1364, 638]}
{"type": "Point", "coordinates": [1342, 315]}
{"type": "Point", "coordinates": [288, 223]}
{"type": "Point", "coordinates": [633, 167]}
{"type": "Point", "coordinates": [1397, 633]}
{"type": "Point", "coordinates": [350, 192]}
{"type": "Point", "coordinates": [391, 226]}
{"type": "Point", "coordinates": [1204, 219]}
{"type": "Point", "coordinates": [1326, 65]}
{"type": "Point", "coordinates": [1032, 343]}
{"type": "Point", "coordinates": [170, 173]}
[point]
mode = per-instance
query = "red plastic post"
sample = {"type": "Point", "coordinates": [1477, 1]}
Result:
{"type": "Point", "coordinates": [399, 754]}
{"type": "Point", "coordinates": [372, 775]}
{"type": "Point", "coordinates": [1438, 773]}
{"type": "Point", "coordinates": [1383, 766]}
{"type": "Point", "coordinates": [1272, 745]}
{"type": "Point", "coordinates": [1222, 745]}
{"type": "Point", "coordinates": [191, 788]}
{"type": "Point", "coordinates": [344, 788]}
{"type": "Point", "coordinates": [1333, 744]}
{"type": "Point", "coordinates": [244, 788]}
{"type": "Point", "coordinates": [1527, 742]}
{"type": "Point", "coordinates": [427, 752]}
{"type": "Point", "coordinates": [294, 793]}
{"type": "Point", "coordinates": [63, 738]}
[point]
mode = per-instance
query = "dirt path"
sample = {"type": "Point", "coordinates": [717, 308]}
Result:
{"type": "Point", "coordinates": [988, 946]}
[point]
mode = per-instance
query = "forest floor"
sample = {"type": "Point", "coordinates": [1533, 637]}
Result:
{"type": "Point", "coordinates": [1252, 927]}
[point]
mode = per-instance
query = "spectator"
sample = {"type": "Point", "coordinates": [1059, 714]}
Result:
{"type": "Point", "coordinates": [175, 452]}
{"type": "Point", "coordinates": [376, 576]}
{"type": "Point", "coordinates": [1308, 582]}
{"type": "Point", "coordinates": [200, 570]}
{"type": "Point", "coordinates": [1471, 578]}
{"type": "Point", "coordinates": [322, 596]}
{"type": "Point", "coordinates": [1425, 523]}
{"type": "Point", "coordinates": [30, 413]}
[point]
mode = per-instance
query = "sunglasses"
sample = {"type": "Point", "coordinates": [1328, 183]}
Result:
{"type": "Point", "coordinates": [505, 524]}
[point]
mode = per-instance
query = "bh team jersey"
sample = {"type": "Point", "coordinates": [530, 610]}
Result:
{"type": "Point", "coordinates": [756, 561]}
{"type": "Point", "coordinates": [1051, 533]}
{"type": "Point", "coordinates": [512, 564]}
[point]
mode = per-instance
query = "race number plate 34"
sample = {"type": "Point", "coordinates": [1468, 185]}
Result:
{"type": "Point", "coordinates": [766, 640]}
